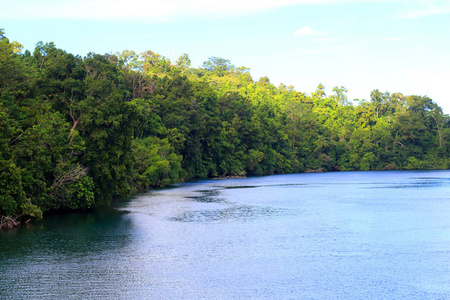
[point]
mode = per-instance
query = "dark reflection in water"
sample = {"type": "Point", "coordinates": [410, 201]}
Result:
{"type": "Point", "coordinates": [419, 182]}
{"type": "Point", "coordinates": [207, 196]}
{"type": "Point", "coordinates": [236, 212]}
{"type": "Point", "coordinates": [241, 187]}
{"type": "Point", "coordinates": [61, 256]}
{"type": "Point", "coordinates": [348, 235]}
{"type": "Point", "coordinates": [264, 185]}
{"type": "Point", "coordinates": [76, 232]}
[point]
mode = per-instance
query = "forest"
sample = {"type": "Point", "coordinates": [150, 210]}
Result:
{"type": "Point", "coordinates": [77, 132]}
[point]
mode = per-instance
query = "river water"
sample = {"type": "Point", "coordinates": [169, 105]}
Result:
{"type": "Point", "coordinates": [345, 235]}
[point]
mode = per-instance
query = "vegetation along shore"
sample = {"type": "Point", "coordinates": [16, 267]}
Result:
{"type": "Point", "coordinates": [76, 132]}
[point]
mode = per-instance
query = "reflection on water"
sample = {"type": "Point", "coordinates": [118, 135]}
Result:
{"type": "Point", "coordinates": [240, 187]}
{"type": "Point", "coordinates": [418, 182]}
{"type": "Point", "coordinates": [60, 256]}
{"type": "Point", "coordinates": [348, 235]}
{"type": "Point", "coordinates": [236, 212]}
{"type": "Point", "coordinates": [207, 196]}
{"type": "Point", "coordinates": [77, 232]}
{"type": "Point", "coordinates": [228, 211]}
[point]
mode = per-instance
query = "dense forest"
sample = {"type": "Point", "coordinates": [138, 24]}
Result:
{"type": "Point", "coordinates": [76, 132]}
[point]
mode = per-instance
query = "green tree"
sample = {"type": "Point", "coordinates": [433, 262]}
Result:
{"type": "Point", "coordinates": [218, 65]}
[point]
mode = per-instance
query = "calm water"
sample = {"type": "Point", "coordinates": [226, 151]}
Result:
{"type": "Point", "coordinates": [349, 235]}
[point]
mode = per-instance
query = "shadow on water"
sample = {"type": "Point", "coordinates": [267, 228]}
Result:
{"type": "Point", "coordinates": [241, 187]}
{"type": "Point", "coordinates": [207, 196]}
{"type": "Point", "coordinates": [231, 211]}
{"type": "Point", "coordinates": [67, 234]}
{"type": "Point", "coordinates": [419, 182]}
{"type": "Point", "coordinates": [64, 255]}
{"type": "Point", "coordinates": [237, 212]}
{"type": "Point", "coordinates": [262, 185]}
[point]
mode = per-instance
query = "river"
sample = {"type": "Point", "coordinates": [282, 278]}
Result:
{"type": "Point", "coordinates": [344, 235]}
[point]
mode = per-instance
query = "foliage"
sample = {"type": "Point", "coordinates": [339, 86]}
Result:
{"type": "Point", "coordinates": [75, 132]}
{"type": "Point", "coordinates": [156, 164]}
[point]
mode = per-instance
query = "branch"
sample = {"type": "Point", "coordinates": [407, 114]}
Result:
{"type": "Point", "coordinates": [8, 222]}
{"type": "Point", "coordinates": [65, 178]}
{"type": "Point", "coordinates": [16, 138]}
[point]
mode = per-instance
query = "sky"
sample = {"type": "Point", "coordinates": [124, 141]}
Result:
{"type": "Point", "coordinates": [389, 45]}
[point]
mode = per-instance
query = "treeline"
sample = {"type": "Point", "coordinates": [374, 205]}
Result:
{"type": "Point", "coordinates": [75, 132]}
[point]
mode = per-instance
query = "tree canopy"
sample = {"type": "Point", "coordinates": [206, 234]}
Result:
{"type": "Point", "coordinates": [75, 132]}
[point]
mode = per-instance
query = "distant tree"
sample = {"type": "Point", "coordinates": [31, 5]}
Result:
{"type": "Point", "coordinates": [340, 95]}
{"type": "Point", "coordinates": [320, 91]}
{"type": "Point", "coordinates": [183, 62]}
{"type": "Point", "coordinates": [218, 65]}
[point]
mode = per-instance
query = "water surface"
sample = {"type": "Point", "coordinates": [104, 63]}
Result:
{"type": "Point", "coordinates": [352, 235]}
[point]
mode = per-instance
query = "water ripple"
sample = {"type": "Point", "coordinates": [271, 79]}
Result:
{"type": "Point", "coordinates": [237, 212]}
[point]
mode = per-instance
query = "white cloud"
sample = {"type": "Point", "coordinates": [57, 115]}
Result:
{"type": "Point", "coordinates": [424, 13]}
{"type": "Point", "coordinates": [307, 31]}
{"type": "Point", "coordinates": [431, 8]}
{"type": "Point", "coordinates": [150, 11]}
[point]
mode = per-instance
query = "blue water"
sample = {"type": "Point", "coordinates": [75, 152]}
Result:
{"type": "Point", "coordinates": [346, 235]}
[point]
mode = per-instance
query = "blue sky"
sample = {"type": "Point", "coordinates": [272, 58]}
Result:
{"type": "Point", "coordinates": [390, 45]}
